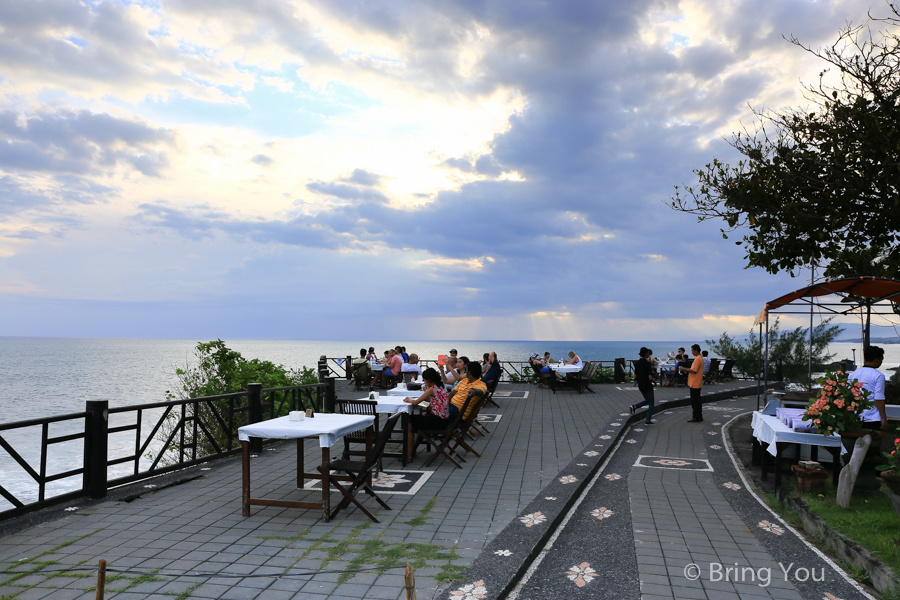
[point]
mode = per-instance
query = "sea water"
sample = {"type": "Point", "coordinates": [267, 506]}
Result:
{"type": "Point", "coordinates": [52, 376]}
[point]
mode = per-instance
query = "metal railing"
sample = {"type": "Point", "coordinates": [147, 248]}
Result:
{"type": "Point", "coordinates": [179, 434]}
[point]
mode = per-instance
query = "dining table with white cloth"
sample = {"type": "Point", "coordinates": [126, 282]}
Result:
{"type": "Point", "coordinates": [772, 436]}
{"type": "Point", "coordinates": [565, 369]}
{"type": "Point", "coordinates": [329, 428]}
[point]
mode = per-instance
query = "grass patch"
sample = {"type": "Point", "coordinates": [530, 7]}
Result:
{"type": "Point", "coordinates": [187, 591]}
{"type": "Point", "coordinates": [871, 522]}
{"type": "Point", "coordinates": [367, 552]}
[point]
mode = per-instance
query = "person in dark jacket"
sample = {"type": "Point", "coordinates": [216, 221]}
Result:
{"type": "Point", "coordinates": [643, 375]}
{"type": "Point", "coordinates": [494, 370]}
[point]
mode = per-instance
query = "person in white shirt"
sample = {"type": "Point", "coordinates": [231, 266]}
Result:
{"type": "Point", "coordinates": [574, 360]}
{"type": "Point", "coordinates": [412, 366]}
{"type": "Point", "coordinates": [706, 360]}
{"type": "Point", "coordinates": [872, 380]}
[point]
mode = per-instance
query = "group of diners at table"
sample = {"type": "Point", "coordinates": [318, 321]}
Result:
{"type": "Point", "coordinates": [450, 398]}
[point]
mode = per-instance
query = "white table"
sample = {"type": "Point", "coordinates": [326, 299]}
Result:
{"type": "Point", "coordinates": [565, 369]}
{"type": "Point", "coordinates": [777, 437]}
{"type": "Point", "coordinates": [329, 428]}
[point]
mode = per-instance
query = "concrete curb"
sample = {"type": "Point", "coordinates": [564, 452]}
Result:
{"type": "Point", "coordinates": [498, 574]}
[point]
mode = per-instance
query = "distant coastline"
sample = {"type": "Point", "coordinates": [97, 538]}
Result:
{"type": "Point", "coordinates": [881, 340]}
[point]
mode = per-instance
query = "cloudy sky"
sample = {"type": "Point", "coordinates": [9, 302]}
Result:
{"type": "Point", "coordinates": [462, 169]}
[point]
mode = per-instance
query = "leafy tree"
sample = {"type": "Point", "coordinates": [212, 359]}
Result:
{"type": "Point", "coordinates": [792, 347]}
{"type": "Point", "coordinates": [219, 370]}
{"type": "Point", "coordinates": [819, 186]}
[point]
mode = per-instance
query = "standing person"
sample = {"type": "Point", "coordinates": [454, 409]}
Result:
{"type": "Point", "coordinates": [695, 382]}
{"type": "Point", "coordinates": [643, 375]}
{"type": "Point", "coordinates": [872, 380]}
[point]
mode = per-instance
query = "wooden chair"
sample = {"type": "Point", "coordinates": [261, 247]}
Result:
{"type": "Point", "coordinates": [713, 375]}
{"type": "Point", "coordinates": [465, 426]}
{"type": "Point", "coordinates": [362, 377]}
{"type": "Point", "coordinates": [356, 407]}
{"type": "Point", "coordinates": [584, 377]}
{"type": "Point", "coordinates": [491, 388]}
{"type": "Point", "coordinates": [441, 438]}
{"type": "Point", "coordinates": [727, 374]}
{"type": "Point", "coordinates": [361, 472]}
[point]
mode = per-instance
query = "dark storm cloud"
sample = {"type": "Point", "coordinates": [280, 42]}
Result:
{"type": "Point", "coordinates": [81, 142]}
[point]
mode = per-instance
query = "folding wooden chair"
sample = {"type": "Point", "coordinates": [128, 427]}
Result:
{"type": "Point", "coordinates": [356, 407]}
{"type": "Point", "coordinates": [465, 427]}
{"type": "Point", "coordinates": [360, 471]}
{"type": "Point", "coordinates": [362, 377]}
{"type": "Point", "coordinates": [491, 388]}
{"type": "Point", "coordinates": [727, 374]}
{"type": "Point", "coordinates": [583, 381]}
{"type": "Point", "coordinates": [441, 438]}
{"type": "Point", "coordinates": [713, 374]}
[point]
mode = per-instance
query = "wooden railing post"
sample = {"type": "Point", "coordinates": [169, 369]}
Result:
{"type": "Point", "coordinates": [254, 412]}
{"type": "Point", "coordinates": [348, 365]}
{"type": "Point", "coordinates": [96, 444]}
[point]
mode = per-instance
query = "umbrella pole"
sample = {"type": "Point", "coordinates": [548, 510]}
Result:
{"type": "Point", "coordinates": [766, 368]}
{"type": "Point", "coordinates": [759, 368]}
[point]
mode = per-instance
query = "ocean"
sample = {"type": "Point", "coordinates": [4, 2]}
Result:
{"type": "Point", "coordinates": [52, 376]}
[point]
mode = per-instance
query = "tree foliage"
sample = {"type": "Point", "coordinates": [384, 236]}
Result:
{"type": "Point", "coordinates": [792, 347]}
{"type": "Point", "coordinates": [819, 186]}
{"type": "Point", "coordinates": [221, 370]}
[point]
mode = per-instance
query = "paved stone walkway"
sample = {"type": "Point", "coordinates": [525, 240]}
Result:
{"type": "Point", "coordinates": [197, 526]}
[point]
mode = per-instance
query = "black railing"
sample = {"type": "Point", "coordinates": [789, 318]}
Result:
{"type": "Point", "coordinates": [179, 434]}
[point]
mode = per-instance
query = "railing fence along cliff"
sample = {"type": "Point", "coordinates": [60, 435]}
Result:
{"type": "Point", "coordinates": [179, 434]}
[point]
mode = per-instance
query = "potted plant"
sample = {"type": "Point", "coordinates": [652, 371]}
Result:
{"type": "Point", "coordinates": [838, 410]}
{"type": "Point", "coordinates": [889, 472]}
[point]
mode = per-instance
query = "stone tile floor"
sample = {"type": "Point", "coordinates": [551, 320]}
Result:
{"type": "Point", "coordinates": [197, 526]}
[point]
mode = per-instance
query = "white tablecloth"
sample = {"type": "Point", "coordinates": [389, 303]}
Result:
{"type": "Point", "coordinates": [393, 404]}
{"type": "Point", "coordinates": [565, 368]}
{"type": "Point", "coordinates": [330, 428]}
{"type": "Point", "coordinates": [771, 430]}
{"type": "Point", "coordinates": [892, 411]}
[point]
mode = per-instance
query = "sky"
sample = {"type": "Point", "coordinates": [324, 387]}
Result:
{"type": "Point", "coordinates": [460, 169]}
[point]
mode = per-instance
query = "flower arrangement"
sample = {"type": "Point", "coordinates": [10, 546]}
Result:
{"type": "Point", "coordinates": [839, 405]}
{"type": "Point", "coordinates": [893, 459]}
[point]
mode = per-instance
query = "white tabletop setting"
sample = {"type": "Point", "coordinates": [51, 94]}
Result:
{"type": "Point", "coordinates": [770, 430]}
{"type": "Point", "coordinates": [329, 427]}
{"type": "Point", "coordinates": [561, 368]}
{"type": "Point", "coordinates": [393, 404]}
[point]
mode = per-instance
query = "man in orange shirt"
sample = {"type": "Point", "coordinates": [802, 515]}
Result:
{"type": "Point", "coordinates": [695, 382]}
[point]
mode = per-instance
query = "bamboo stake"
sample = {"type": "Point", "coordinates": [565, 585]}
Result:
{"type": "Point", "coordinates": [410, 579]}
{"type": "Point", "coordinates": [101, 579]}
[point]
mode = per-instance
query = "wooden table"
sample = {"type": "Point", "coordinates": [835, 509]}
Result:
{"type": "Point", "coordinates": [329, 428]}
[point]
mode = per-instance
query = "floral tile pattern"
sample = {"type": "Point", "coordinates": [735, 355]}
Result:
{"type": "Point", "coordinates": [581, 574]}
{"type": "Point", "coordinates": [615, 424]}
{"type": "Point", "coordinates": [535, 518]}
{"type": "Point", "coordinates": [612, 476]}
{"type": "Point", "coordinates": [389, 481]}
{"type": "Point", "coordinates": [470, 591]}
{"type": "Point", "coordinates": [605, 437]}
{"type": "Point", "coordinates": [771, 527]}
{"type": "Point", "coordinates": [631, 441]}
{"type": "Point", "coordinates": [716, 423]}
{"type": "Point", "coordinates": [672, 462]}
{"type": "Point", "coordinates": [568, 479]}
{"type": "Point", "coordinates": [623, 414]}
{"type": "Point", "coordinates": [715, 447]}
{"type": "Point", "coordinates": [581, 464]}
{"type": "Point", "coordinates": [602, 513]}
{"type": "Point", "coordinates": [591, 453]}
{"type": "Point", "coordinates": [503, 553]}
{"type": "Point", "coordinates": [830, 596]}
{"type": "Point", "coordinates": [549, 497]}
{"type": "Point", "coordinates": [71, 508]}
{"type": "Point", "coordinates": [638, 429]}
{"type": "Point", "coordinates": [713, 432]}
{"type": "Point", "coordinates": [731, 486]}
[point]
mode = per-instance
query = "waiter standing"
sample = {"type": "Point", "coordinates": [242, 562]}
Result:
{"type": "Point", "coordinates": [872, 380]}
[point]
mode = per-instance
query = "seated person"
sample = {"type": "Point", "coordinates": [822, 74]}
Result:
{"type": "Point", "coordinates": [391, 367]}
{"type": "Point", "coordinates": [361, 364]}
{"type": "Point", "coordinates": [706, 359]}
{"type": "Point", "coordinates": [438, 400]}
{"type": "Point", "coordinates": [462, 366]}
{"type": "Point", "coordinates": [545, 361]}
{"type": "Point", "coordinates": [494, 370]}
{"type": "Point", "coordinates": [451, 375]}
{"type": "Point", "coordinates": [412, 366]}
{"type": "Point", "coordinates": [371, 354]}
{"type": "Point", "coordinates": [573, 360]}
{"type": "Point", "coordinates": [461, 391]}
